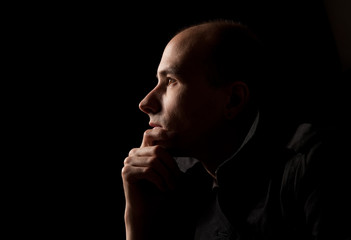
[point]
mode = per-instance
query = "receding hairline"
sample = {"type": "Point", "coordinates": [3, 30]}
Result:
{"type": "Point", "coordinates": [225, 45]}
{"type": "Point", "coordinates": [212, 31]}
{"type": "Point", "coordinates": [212, 24]}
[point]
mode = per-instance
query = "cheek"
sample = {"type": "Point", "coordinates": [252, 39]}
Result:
{"type": "Point", "coordinates": [195, 112]}
{"type": "Point", "coordinates": [174, 107]}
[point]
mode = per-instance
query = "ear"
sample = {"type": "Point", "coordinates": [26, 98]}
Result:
{"type": "Point", "coordinates": [238, 98]}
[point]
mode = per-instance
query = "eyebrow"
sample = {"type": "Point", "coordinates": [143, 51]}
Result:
{"type": "Point", "coordinates": [171, 70]}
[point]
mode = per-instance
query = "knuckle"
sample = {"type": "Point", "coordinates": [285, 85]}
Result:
{"type": "Point", "coordinates": [127, 160]}
{"type": "Point", "coordinates": [125, 172]}
{"type": "Point", "coordinates": [132, 152]}
{"type": "Point", "coordinates": [147, 133]}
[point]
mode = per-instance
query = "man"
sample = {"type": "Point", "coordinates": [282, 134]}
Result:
{"type": "Point", "coordinates": [214, 164]}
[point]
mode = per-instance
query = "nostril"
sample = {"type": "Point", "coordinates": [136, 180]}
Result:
{"type": "Point", "coordinates": [149, 106]}
{"type": "Point", "coordinates": [144, 107]}
{"type": "Point", "coordinates": [151, 103]}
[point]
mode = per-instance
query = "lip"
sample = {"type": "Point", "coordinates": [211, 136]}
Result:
{"type": "Point", "coordinates": [154, 125]}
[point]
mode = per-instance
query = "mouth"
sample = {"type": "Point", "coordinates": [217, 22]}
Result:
{"type": "Point", "coordinates": [154, 125]}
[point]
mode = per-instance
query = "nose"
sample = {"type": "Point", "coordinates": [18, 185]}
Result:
{"type": "Point", "coordinates": [150, 104]}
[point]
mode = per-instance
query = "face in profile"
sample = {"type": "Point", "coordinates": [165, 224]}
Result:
{"type": "Point", "coordinates": [183, 102]}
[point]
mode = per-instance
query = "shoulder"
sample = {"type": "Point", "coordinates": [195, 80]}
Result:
{"type": "Point", "coordinates": [315, 151]}
{"type": "Point", "coordinates": [307, 136]}
{"type": "Point", "coordinates": [316, 178]}
{"type": "Point", "coordinates": [314, 145]}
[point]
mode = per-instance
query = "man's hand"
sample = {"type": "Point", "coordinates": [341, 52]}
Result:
{"type": "Point", "coordinates": [148, 173]}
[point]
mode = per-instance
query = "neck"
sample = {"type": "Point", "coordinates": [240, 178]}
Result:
{"type": "Point", "coordinates": [223, 145]}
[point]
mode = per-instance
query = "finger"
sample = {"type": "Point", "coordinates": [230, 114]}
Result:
{"type": "Point", "coordinates": [155, 136]}
{"type": "Point", "coordinates": [158, 165]}
{"type": "Point", "coordinates": [134, 174]}
{"type": "Point", "coordinates": [153, 162]}
{"type": "Point", "coordinates": [162, 154]}
{"type": "Point", "coordinates": [142, 151]}
{"type": "Point", "coordinates": [167, 159]}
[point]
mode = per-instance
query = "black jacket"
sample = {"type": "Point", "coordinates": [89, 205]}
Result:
{"type": "Point", "coordinates": [273, 189]}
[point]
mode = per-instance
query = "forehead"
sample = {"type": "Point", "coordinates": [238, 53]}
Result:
{"type": "Point", "coordinates": [183, 55]}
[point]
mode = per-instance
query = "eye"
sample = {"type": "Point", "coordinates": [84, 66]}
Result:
{"type": "Point", "coordinates": [170, 81]}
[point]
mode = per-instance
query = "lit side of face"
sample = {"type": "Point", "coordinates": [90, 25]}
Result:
{"type": "Point", "coordinates": [183, 102]}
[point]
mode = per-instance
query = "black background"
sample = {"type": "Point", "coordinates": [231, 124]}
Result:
{"type": "Point", "coordinates": [87, 66]}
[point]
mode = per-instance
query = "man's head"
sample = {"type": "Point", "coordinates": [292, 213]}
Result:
{"type": "Point", "coordinates": [204, 85]}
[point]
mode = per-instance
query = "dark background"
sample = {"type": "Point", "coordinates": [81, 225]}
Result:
{"type": "Point", "coordinates": [87, 66]}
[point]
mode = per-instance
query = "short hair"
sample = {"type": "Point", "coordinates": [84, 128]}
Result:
{"type": "Point", "coordinates": [236, 55]}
